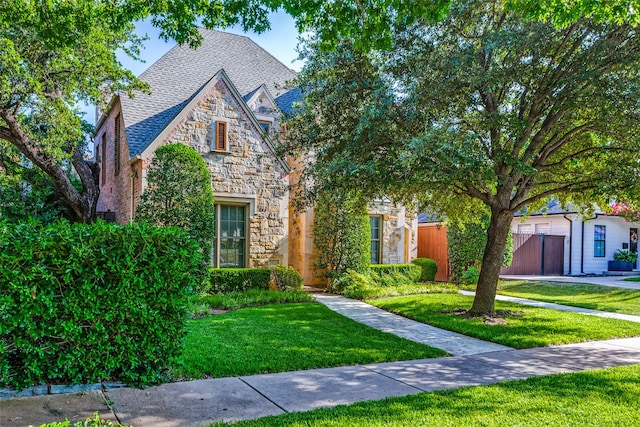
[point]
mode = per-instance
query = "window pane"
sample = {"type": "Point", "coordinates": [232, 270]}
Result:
{"type": "Point", "coordinates": [374, 222]}
{"type": "Point", "coordinates": [232, 244]}
{"type": "Point", "coordinates": [599, 238]}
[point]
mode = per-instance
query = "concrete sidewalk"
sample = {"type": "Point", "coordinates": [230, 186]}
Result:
{"type": "Point", "coordinates": [613, 281]}
{"type": "Point", "coordinates": [200, 402]}
{"type": "Point", "coordinates": [451, 342]}
{"type": "Point", "coordinates": [542, 304]}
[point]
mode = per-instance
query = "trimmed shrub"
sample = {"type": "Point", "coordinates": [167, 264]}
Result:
{"type": "Point", "coordinates": [411, 272]}
{"type": "Point", "coordinates": [353, 285]}
{"type": "Point", "coordinates": [286, 278]}
{"type": "Point", "coordinates": [180, 194]}
{"type": "Point", "coordinates": [341, 234]}
{"type": "Point", "coordinates": [225, 280]}
{"type": "Point", "coordinates": [82, 303]}
{"type": "Point", "coordinates": [429, 269]}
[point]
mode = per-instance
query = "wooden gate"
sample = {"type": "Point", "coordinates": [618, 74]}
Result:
{"type": "Point", "coordinates": [536, 254]}
{"type": "Point", "coordinates": [432, 243]}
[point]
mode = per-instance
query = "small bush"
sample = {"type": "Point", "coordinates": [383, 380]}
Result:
{"type": "Point", "coordinates": [429, 269]}
{"type": "Point", "coordinates": [225, 280]}
{"type": "Point", "coordinates": [627, 256]}
{"type": "Point", "coordinates": [411, 271]}
{"type": "Point", "coordinates": [353, 285]}
{"type": "Point", "coordinates": [89, 422]}
{"type": "Point", "coordinates": [81, 303]}
{"type": "Point", "coordinates": [286, 278]}
{"type": "Point", "coordinates": [470, 276]}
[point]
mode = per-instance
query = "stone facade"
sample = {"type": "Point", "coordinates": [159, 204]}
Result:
{"type": "Point", "coordinates": [247, 173]}
{"type": "Point", "coordinates": [399, 232]}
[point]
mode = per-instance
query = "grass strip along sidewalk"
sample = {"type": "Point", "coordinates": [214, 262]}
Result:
{"type": "Point", "coordinates": [527, 327]}
{"type": "Point", "coordinates": [595, 297]}
{"type": "Point", "coordinates": [287, 337]}
{"type": "Point", "coordinates": [608, 397]}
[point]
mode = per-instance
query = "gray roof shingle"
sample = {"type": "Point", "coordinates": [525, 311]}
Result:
{"type": "Point", "coordinates": [178, 76]}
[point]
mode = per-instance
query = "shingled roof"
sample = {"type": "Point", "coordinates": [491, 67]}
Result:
{"type": "Point", "coordinates": [178, 76]}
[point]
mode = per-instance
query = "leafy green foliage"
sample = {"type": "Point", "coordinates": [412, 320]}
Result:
{"type": "Point", "coordinates": [341, 233]}
{"type": "Point", "coordinates": [179, 194]}
{"type": "Point", "coordinates": [287, 337]}
{"type": "Point", "coordinates": [286, 278]}
{"type": "Point", "coordinates": [470, 276]}
{"type": "Point", "coordinates": [96, 421]}
{"type": "Point", "coordinates": [532, 111]}
{"type": "Point", "coordinates": [86, 303]}
{"type": "Point", "coordinates": [225, 280]}
{"type": "Point", "coordinates": [466, 245]}
{"type": "Point", "coordinates": [628, 256]}
{"type": "Point", "coordinates": [429, 268]}
{"type": "Point", "coordinates": [25, 191]}
{"type": "Point", "coordinates": [412, 272]}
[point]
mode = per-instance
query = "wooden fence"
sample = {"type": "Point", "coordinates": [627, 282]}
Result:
{"type": "Point", "coordinates": [536, 254]}
{"type": "Point", "coordinates": [432, 243]}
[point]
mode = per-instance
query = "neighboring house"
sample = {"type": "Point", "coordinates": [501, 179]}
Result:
{"type": "Point", "coordinates": [589, 243]}
{"type": "Point", "coordinates": [224, 99]}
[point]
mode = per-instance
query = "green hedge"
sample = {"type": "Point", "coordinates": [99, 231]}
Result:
{"type": "Point", "coordinates": [429, 268]}
{"type": "Point", "coordinates": [411, 271]}
{"type": "Point", "coordinates": [225, 280]}
{"type": "Point", "coordinates": [286, 278]}
{"type": "Point", "coordinates": [84, 303]}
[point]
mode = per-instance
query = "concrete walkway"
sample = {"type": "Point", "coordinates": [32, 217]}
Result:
{"type": "Point", "coordinates": [613, 281]}
{"type": "Point", "coordinates": [560, 307]}
{"type": "Point", "coordinates": [451, 342]}
{"type": "Point", "coordinates": [204, 401]}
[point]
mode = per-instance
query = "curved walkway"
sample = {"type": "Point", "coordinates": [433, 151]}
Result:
{"type": "Point", "coordinates": [451, 342]}
{"type": "Point", "coordinates": [560, 307]}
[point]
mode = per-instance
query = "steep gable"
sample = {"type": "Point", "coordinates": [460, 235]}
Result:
{"type": "Point", "coordinates": [183, 72]}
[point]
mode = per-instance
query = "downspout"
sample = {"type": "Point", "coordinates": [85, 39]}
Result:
{"type": "Point", "coordinates": [570, 242]}
{"type": "Point", "coordinates": [582, 244]}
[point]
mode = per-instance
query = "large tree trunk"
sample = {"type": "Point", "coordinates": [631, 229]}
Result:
{"type": "Point", "coordinates": [483, 303]}
{"type": "Point", "coordinates": [82, 203]}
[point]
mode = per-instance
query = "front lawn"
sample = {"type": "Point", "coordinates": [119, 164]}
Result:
{"type": "Point", "coordinates": [287, 337]}
{"type": "Point", "coordinates": [608, 397]}
{"type": "Point", "coordinates": [533, 327]}
{"type": "Point", "coordinates": [604, 298]}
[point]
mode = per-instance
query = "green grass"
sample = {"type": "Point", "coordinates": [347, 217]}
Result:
{"type": "Point", "coordinates": [604, 298]}
{"type": "Point", "coordinates": [632, 279]}
{"type": "Point", "coordinates": [608, 397]}
{"type": "Point", "coordinates": [536, 327]}
{"type": "Point", "coordinates": [287, 337]}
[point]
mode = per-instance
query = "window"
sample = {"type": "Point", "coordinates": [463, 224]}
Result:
{"type": "Point", "coordinates": [525, 229]}
{"type": "Point", "coordinates": [221, 136]}
{"type": "Point", "coordinates": [543, 228]}
{"type": "Point", "coordinates": [230, 241]}
{"type": "Point", "coordinates": [376, 239]}
{"type": "Point", "coordinates": [103, 158]}
{"type": "Point", "coordinates": [266, 125]}
{"type": "Point", "coordinates": [599, 234]}
{"type": "Point", "coordinates": [116, 146]}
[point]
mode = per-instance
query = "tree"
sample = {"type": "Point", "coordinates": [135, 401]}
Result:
{"type": "Point", "coordinates": [341, 232]}
{"type": "Point", "coordinates": [180, 194]}
{"type": "Point", "coordinates": [485, 108]}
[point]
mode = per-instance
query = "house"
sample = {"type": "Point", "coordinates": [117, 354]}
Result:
{"type": "Point", "coordinates": [224, 99]}
{"type": "Point", "coordinates": [588, 243]}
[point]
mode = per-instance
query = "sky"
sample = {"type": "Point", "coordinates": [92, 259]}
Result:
{"type": "Point", "coordinates": [280, 41]}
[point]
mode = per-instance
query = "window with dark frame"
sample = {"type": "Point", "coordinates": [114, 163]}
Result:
{"type": "Point", "coordinates": [116, 146]}
{"type": "Point", "coordinates": [266, 125]}
{"type": "Point", "coordinates": [221, 136]}
{"type": "Point", "coordinates": [375, 221]}
{"type": "Point", "coordinates": [103, 159]}
{"type": "Point", "coordinates": [230, 238]}
{"type": "Point", "coordinates": [599, 237]}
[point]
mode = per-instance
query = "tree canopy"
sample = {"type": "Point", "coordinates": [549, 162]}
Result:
{"type": "Point", "coordinates": [486, 107]}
